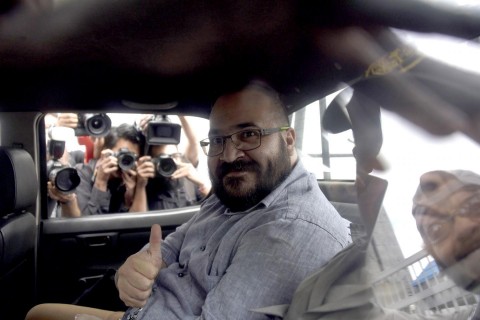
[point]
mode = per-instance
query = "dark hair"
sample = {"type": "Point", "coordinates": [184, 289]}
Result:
{"type": "Point", "coordinates": [127, 132]}
{"type": "Point", "coordinates": [274, 95]}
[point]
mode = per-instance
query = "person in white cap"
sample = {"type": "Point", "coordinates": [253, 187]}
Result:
{"type": "Point", "coordinates": [446, 208]}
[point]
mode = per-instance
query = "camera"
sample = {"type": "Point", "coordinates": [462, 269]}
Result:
{"type": "Point", "coordinates": [126, 159]}
{"type": "Point", "coordinates": [164, 165]}
{"type": "Point", "coordinates": [161, 131]}
{"type": "Point", "coordinates": [93, 124]}
{"type": "Point", "coordinates": [63, 177]}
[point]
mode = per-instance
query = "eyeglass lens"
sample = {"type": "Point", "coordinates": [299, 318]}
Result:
{"type": "Point", "coordinates": [243, 140]}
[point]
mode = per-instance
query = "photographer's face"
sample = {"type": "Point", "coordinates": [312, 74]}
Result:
{"type": "Point", "coordinates": [121, 144]}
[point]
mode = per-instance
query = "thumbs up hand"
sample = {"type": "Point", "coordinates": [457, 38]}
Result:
{"type": "Point", "coordinates": [136, 276]}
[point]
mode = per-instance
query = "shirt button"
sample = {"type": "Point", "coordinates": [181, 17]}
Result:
{"type": "Point", "coordinates": [202, 248]}
{"type": "Point", "coordinates": [180, 274]}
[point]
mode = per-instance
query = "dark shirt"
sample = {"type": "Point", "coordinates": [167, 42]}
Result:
{"type": "Point", "coordinates": [164, 193]}
{"type": "Point", "coordinates": [94, 201]}
{"type": "Point", "coordinates": [161, 193]}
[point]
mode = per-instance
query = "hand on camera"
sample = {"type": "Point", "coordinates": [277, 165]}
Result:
{"type": "Point", "coordinates": [145, 170]}
{"type": "Point", "coordinates": [68, 201]}
{"type": "Point", "coordinates": [58, 195]}
{"type": "Point", "coordinates": [106, 166]}
{"type": "Point", "coordinates": [69, 120]}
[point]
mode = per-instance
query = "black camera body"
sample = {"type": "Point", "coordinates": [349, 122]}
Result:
{"type": "Point", "coordinates": [161, 131]}
{"type": "Point", "coordinates": [93, 124]}
{"type": "Point", "coordinates": [165, 166]}
{"type": "Point", "coordinates": [63, 177]}
{"type": "Point", "coordinates": [126, 159]}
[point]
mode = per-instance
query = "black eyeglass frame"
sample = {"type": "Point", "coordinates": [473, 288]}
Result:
{"type": "Point", "coordinates": [262, 132]}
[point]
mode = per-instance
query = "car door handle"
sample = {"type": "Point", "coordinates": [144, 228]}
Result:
{"type": "Point", "coordinates": [98, 240]}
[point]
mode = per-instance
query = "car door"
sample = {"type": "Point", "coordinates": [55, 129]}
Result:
{"type": "Point", "coordinates": [75, 254]}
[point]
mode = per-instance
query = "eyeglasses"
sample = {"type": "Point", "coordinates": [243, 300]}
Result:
{"type": "Point", "coordinates": [440, 226]}
{"type": "Point", "coordinates": [244, 140]}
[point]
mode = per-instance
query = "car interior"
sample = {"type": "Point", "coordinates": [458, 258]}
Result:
{"type": "Point", "coordinates": [372, 110]}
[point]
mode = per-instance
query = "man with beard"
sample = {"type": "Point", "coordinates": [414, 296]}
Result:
{"type": "Point", "coordinates": [264, 229]}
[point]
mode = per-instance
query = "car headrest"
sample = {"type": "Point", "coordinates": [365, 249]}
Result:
{"type": "Point", "coordinates": [18, 180]}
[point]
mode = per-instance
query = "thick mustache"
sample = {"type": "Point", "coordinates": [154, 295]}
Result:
{"type": "Point", "coordinates": [236, 166]}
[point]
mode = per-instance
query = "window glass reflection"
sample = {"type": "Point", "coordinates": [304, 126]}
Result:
{"type": "Point", "coordinates": [111, 163]}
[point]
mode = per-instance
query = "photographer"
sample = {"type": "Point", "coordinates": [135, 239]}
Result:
{"type": "Point", "coordinates": [90, 129]}
{"type": "Point", "coordinates": [165, 180]}
{"type": "Point", "coordinates": [171, 179]}
{"type": "Point", "coordinates": [62, 177]}
{"type": "Point", "coordinates": [108, 184]}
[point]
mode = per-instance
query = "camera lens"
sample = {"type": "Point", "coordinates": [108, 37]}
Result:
{"type": "Point", "coordinates": [97, 124]}
{"type": "Point", "coordinates": [166, 167]}
{"type": "Point", "coordinates": [65, 179]}
{"type": "Point", "coordinates": [126, 161]}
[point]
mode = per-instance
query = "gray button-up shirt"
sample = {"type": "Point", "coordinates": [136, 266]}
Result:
{"type": "Point", "coordinates": [222, 264]}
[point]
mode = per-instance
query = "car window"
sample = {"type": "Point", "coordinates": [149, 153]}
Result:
{"type": "Point", "coordinates": [405, 276]}
{"type": "Point", "coordinates": [327, 155]}
{"type": "Point", "coordinates": [72, 151]}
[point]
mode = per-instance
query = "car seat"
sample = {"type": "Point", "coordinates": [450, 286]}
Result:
{"type": "Point", "coordinates": [18, 193]}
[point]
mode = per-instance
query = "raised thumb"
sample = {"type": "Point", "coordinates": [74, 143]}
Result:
{"type": "Point", "coordinates": [155, 243]}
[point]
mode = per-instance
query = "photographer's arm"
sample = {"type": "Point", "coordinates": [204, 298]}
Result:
{"type": "Point", "coordinates": [145, 170]}
{"type": "Point", "coordinates": [188, 171]}
{"type": "Point", "coordinates": [68, 202]}
{"type": "Point", "coordinates": [70, 207]}
{"type": "Point", "coordinates": [192, 149]}
{"type": "Point", "coordinates": [69, 120]}
{"type": "Point", "coordinates": [90, 200]}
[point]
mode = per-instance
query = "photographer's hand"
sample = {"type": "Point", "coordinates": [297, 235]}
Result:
{"type": "Point", "coordinates": [106, 166]}
{"type": "Point", "coordinates": [145, 170]}
{"type": "Point", "coordinates": [188, 171]}
{"type": "Point", "coordinates": [143, 123]}
{"type": "Point", "coordinates": [69, 120]}
{"type": "Point", "coordinates": [67, 201]}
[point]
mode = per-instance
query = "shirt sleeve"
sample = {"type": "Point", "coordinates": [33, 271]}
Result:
{"type": "Point", "coordinates": [268, 265]}
{"type": "Point", "coordinates": [90, 200]}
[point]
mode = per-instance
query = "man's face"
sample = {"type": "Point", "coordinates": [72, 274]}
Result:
{"type": "Point", "coordinates": [241, 179]}
{"type": "Point", "coordinates": [450, 225]}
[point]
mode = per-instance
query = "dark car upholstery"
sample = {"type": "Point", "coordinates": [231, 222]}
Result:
{"type": "Point", "coordinates": [18, 192]}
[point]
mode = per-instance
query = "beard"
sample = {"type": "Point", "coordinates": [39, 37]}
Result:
{"type": "Point", "coordinates": [238, 194]}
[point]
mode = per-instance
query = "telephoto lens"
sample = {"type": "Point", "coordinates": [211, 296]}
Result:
{"type": "Point", "coordinates": [93, 124]}
{"type": "Point", "coordinates": [64, 178]}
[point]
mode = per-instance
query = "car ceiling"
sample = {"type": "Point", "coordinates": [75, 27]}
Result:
{"type": "Point", "coordinates": [179, 55]}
